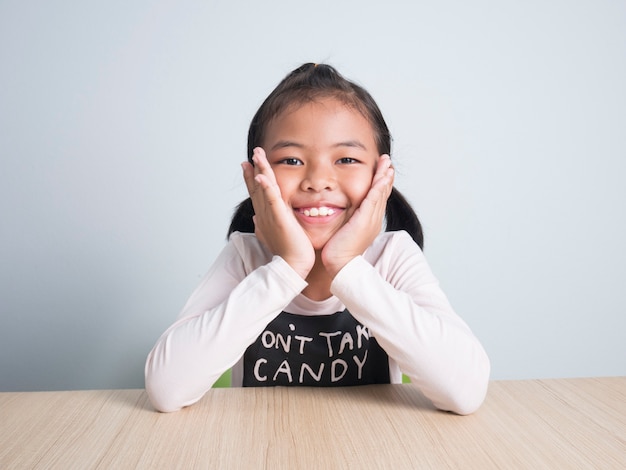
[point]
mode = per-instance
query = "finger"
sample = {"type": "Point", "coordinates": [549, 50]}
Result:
{"type": "Point", "coordinates": [248, 176]}
{"type": "Point", "coordinates": [261, 191]}
{"type": "Point", "coordinates": [264, 176]}
{"type": "Point", "coordinates": [271, 191]}
{"type": "Point", "coordinates": [262, 165]}
{"type": "Point", "coordinates": [382, 182]}
{"type": "Point", "coordinates": [384, 163]}
{"type": "Point", "coordinates": [256, 181]}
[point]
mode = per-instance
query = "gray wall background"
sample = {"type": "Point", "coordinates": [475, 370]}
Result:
{"type": "Point", "coordinates": [122, 126]}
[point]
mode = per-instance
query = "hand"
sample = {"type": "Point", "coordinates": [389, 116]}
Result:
{"type": "Point", "coordinates": [275, 225]}
{"type": "Point", "coordinates": [359, 232]}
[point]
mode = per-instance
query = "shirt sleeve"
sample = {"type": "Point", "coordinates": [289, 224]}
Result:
{"type": "Point", "coordinates": [223, 316]}
{"type": "Point", "coordinates": [398, 298]}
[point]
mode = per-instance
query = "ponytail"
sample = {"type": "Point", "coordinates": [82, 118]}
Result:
{"type": "Point", "coordinates": [401, 216]}
{"type": "Point", "coordinates": [242, 218]}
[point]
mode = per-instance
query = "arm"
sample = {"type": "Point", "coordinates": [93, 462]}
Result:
{"type": "Point", "coordinates": [401, 303]}
{"type": "Point", "coordinates": [224, 315]}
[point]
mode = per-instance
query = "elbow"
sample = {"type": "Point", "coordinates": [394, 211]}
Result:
{"type": "Point", "coordinates": [468, 395]}
{"type": "Point", "coordinates": [166, 394]}
{"type": "Point", "coordinates": [465, 405]}
{"type": "Point", "coordinates": [161, 396]}
{"type": "Point", "coordinates": [167, 398]}
{"type": "Point", "coordinates": [161, 391]}
{"type": "Point", "coordinates": [163, 404]}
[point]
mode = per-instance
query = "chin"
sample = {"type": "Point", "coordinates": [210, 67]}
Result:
{"type": "Point", "coordinates": [320, 236]}
{"type": "Point", "coordinates": [319, 246]}
{"type": "Point", "coordinates": [319, 242]}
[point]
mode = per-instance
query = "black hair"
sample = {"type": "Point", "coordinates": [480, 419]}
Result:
{"type": "Point", "coordinates": [311, 82]}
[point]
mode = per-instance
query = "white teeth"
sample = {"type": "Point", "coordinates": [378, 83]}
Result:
{"type": "Point", "coordinates": [318, 211]}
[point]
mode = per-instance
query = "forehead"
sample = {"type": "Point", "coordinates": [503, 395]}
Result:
{"type": "Point", "coordinates": [323, 121]}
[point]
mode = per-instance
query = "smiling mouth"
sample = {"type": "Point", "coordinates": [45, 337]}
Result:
{"type": "Point", "coordinates": [318, 211]}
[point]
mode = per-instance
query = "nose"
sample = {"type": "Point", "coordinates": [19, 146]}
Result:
{"type": "Point", "coordinates": [318, 177]}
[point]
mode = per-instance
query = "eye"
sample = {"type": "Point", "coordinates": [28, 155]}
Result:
{"type": "Point", "coordinates": [290, 161]}
{"type": "Point", "coordinates": [347, 161]}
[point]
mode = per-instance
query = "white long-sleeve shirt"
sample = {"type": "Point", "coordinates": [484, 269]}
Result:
{"type": "Point", "coordinates": [390, 289]}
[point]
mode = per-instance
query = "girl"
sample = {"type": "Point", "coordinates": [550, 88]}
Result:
{"type": "Point", "coordinates": [308, 291]}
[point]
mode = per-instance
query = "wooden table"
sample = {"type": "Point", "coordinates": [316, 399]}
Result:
{"type": "Point", "coordinates": [566, 423]}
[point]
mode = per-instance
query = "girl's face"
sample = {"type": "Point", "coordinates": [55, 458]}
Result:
{"type": "Point", "coordinates": [324, 156]}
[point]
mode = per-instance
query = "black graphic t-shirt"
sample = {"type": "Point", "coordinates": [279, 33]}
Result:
{"type": "Point", "coordinates": [327, 350]}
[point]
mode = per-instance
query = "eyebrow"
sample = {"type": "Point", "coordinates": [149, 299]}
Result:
{"type": "Point", "coordinates": [281, 144]}
{"type": "Point", "coordinates": [288, 143]}
{"type": "Point", "coordinates": [351, 143]}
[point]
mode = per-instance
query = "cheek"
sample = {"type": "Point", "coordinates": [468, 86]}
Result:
{"type": "Point", "coordinates": [287, 185]}
{"type": "Point", "coordinates": [359, 187]}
